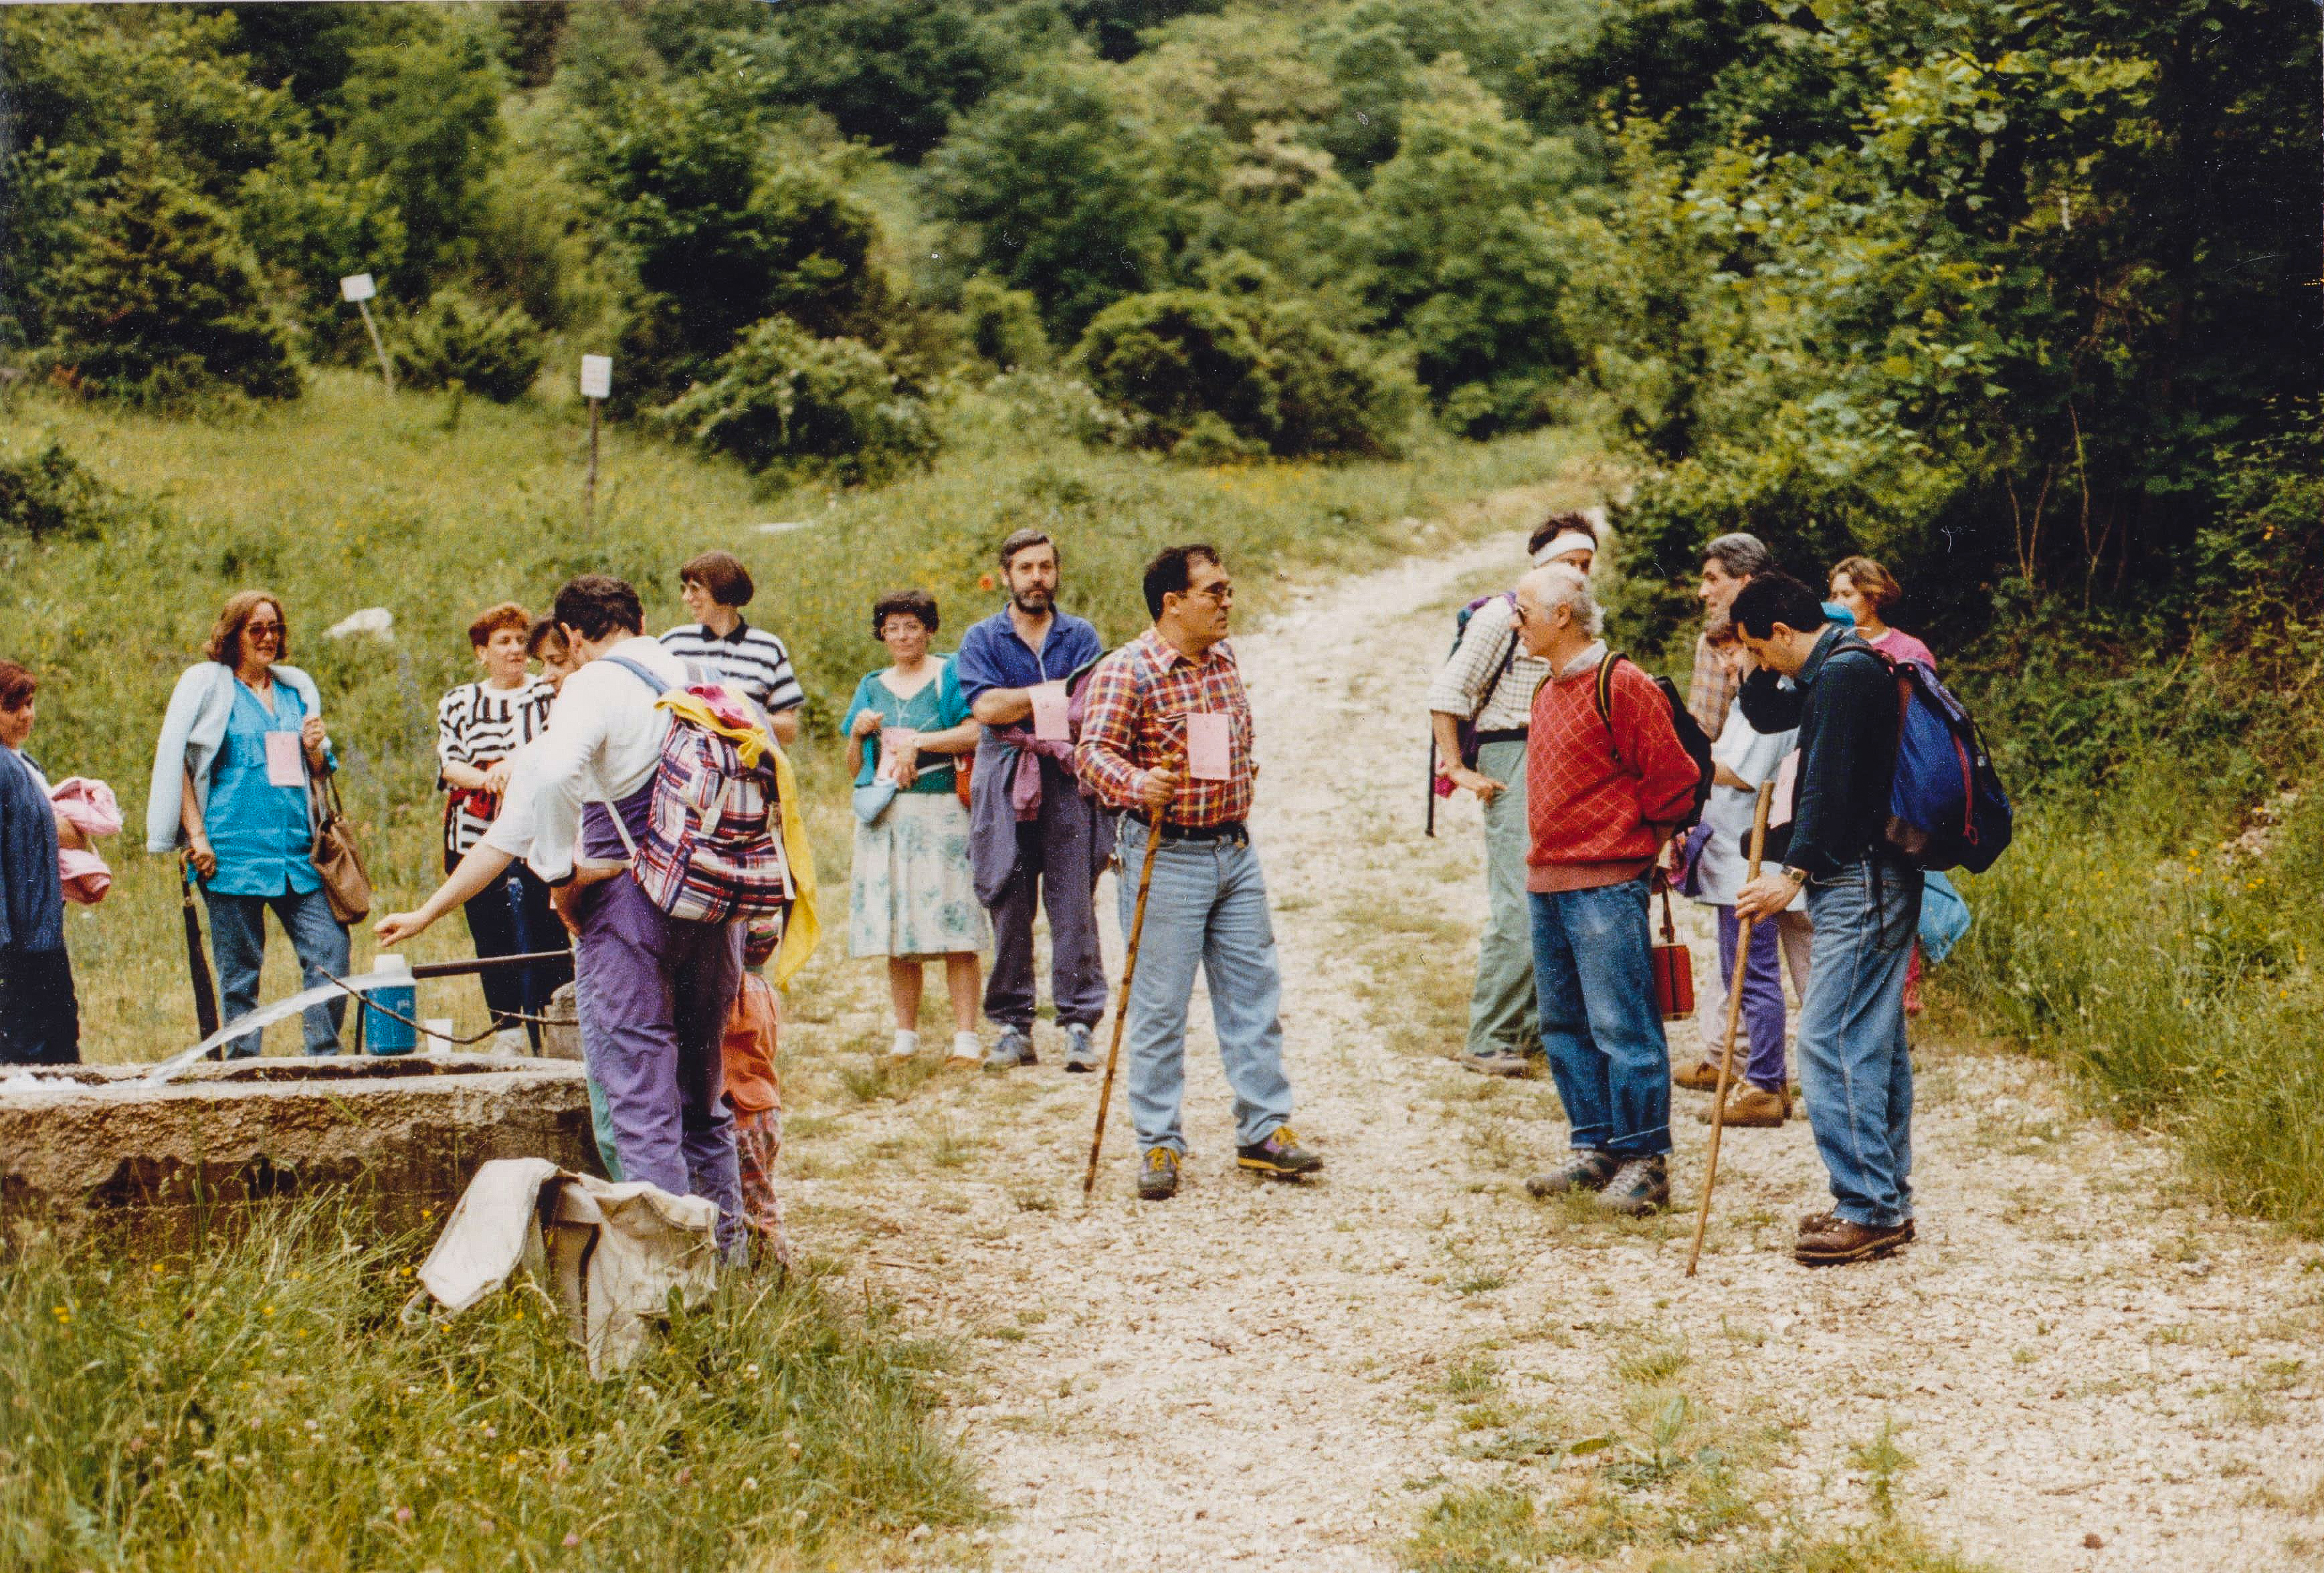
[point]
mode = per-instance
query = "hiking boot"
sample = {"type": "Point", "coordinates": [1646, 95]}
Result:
{"type": "Point", "coordinates": [1281, 1155]}
{"type": "Point", "coordinates": [1704, 1078]}
{"type": "Point", "coordinates": [1497, 1062]}
{"type": "Point", "coordinates": [1586, 1170]}
{"type": "Point", "coordinates": [1753, 1106]}
{"type": "Point", "coordinates": [1015, 1048]}
{"type": "Point", "coordinates": [1640, 1187]}
{"type": "Point", "coordinates": [1081, 1054]}
{"type": "Point", "coordinates": [1819, 1222]}
{"type": "Point", "coordinates": [1835, 1240]}
{"type": "Point", "coordinates": [1157, 1179]}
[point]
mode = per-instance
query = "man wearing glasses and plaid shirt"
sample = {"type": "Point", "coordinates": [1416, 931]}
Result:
{"type": "Point", "coordinates": [1166, 735]}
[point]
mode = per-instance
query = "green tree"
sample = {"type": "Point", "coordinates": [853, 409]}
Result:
{"type": "Point", "coordinates": [783, 400]}
{"type": "Point", "coordinates": [1050, 186]}
{"type": "Point", "coordinates": [893, 72]}
{"type": "Point", "coordinates": [424, 110]}
{"type": "Point", "coordinates": [161, 303]}
{"type": "Point", "coordinates": [1175, 356]}
{"type": "Point", "coordinates": [1452, 250]}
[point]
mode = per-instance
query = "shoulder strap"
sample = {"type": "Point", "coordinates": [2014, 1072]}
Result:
{"type": "Point", "coordinates": [1604, 689]}
{"type": "Point", "coordinates": [639, 673]}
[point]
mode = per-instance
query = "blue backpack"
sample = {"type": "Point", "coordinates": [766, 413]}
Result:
{"type": "Point", "coordinates": [1946, 806]}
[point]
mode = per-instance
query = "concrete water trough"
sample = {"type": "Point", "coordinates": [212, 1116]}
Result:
{"type": "Point", "coordinates": [80, 1143]}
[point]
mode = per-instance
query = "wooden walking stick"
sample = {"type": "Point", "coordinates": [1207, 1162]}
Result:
{"type": "Point", "coordinates": [1734, 1017]}
{"type": "Point", "coordinates": [1122, 1004]}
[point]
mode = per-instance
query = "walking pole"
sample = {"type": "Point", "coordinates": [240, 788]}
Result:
{"type": "Point", "coordinates": [206, 1010]}
{"type": "Point", "coordinates": [1734, 1015]}
{"type": "Point", "coordinates": [1122, 1004]}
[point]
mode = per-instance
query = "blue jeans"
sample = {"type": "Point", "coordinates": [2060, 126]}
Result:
{"type": "Point", "coordinates": [1594, 978]}
{"type": "Point", "coordinates": [1207, 907]}
{"type": "Point", "coordinates": [1855, 1074]}
{"type": "Point", "coordinates": [238, 942]}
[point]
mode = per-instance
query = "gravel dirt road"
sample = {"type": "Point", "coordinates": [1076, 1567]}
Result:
{"type": "Point", "coordinates": [2086, 1369]}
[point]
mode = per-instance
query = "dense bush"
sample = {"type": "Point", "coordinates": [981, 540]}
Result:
{"type": "Point", "coordinates": [784, 400]}
{"type": "Point", "coordinates": [453, 339]}
{"type": "Point", "coordinates": [1213, 376]}
{"type": "Point", "coordinates": [51, 494]}
{"type": "Point", "coordinates": [162, 304]}
{"type": "Point", "coordinates": [1004, 325]}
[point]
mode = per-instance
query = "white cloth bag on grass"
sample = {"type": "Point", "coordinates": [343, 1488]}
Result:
{"type": "Point", "coordinates": [609, 1254]}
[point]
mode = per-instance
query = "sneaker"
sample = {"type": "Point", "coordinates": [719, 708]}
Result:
{"type": "Point", "coordinates": [1281, 1155]}
{"type": "Point", "coordinates": [1752, 1106]}
{"type": "Point", "coordinates": [906, 1045]}
{"type": "Point", "coordinates": [1497, 1062]}
{"type": "Point", "coordinates": [1015, 1048]}
{"type": "Point", "coordinates": [1586, 1170]}
{"type": "Point", "coordinates": [1081, 1054]}
{"type": "Point", "coordinates": [1836, 1240]}
{"type": "Point", "coordinates": [967, 1049]}
{"type": "Point", "coordinates": [1704, 1078]}
{"type": "Point", "coordinates": [1640, 1187]}
{"type": "Point", "coordinates": [1157, 1179]}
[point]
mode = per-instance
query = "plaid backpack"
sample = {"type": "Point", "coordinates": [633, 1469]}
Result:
{"type": "Point", "coordinates": [712, 852]}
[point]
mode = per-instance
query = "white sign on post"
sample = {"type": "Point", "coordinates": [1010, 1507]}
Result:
{"type": "Point", "coordinates": [596, 376]}
{"type": "Point", "coordinates": [357, 287]}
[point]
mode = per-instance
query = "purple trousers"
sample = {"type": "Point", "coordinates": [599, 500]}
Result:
{"type": "Point", "coordinates": [654, 994]}
{"type": "Point", "coordinates": [1763, 997]}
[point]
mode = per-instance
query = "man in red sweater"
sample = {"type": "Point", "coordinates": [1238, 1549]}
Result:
{"type": "Point", "coordinates": [1604, 792]}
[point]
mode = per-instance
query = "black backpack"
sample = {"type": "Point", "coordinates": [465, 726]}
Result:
{"type": "Point", "coordinates": [1689, 731]}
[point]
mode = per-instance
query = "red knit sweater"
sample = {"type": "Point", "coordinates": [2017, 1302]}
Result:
{"type": "Point", "coordinates": [1596, 822]}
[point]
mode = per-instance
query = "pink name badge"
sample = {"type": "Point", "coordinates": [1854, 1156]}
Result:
{"type": "Point", "coordinates": [1049, 722]}
{"type": "Point", "coordinates": [284, 766]}
{"type": "Point", "coordinates": [897, 744]}
{"type": "Point", "coordinates": [1209, 748]}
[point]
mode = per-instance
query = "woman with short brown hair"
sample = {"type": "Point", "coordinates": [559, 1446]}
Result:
{"type": "Point", "coordinates": [479, 728]}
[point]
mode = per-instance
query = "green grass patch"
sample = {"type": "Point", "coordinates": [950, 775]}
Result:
{"type": "Point", "coordinates": [265, 1405]}
{"type": "Point", "coordinates": [2178, 976]}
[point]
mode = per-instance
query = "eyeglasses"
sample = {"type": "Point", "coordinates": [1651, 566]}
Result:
{"type": "Point", "coordinates": [1217, 595]}
{"type": "Point", "coordinates": [262, 630]}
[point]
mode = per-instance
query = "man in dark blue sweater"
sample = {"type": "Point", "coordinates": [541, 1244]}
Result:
{"type": "Point", "coordinates": [1855, 1073]}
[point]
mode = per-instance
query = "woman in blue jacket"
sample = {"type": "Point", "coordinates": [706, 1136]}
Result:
{"type": "Point", "coordinates": [242, 740]}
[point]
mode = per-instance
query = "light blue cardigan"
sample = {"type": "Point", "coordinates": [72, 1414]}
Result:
{"type": "Point", "coordinates": [192, 733]}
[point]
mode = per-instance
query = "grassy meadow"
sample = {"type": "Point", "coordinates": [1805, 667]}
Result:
{"type": "Point", "coordinates": [435, 507]}
{"type": "Point", "coordinates": [263, 1405]}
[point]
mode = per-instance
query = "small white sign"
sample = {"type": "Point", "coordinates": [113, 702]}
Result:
{"type": "Point", "coordinates": [596, 376]}
{"type": "Point", "coordinates": [357, 287]}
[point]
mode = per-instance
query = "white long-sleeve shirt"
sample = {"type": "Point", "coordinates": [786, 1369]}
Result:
{"type": "Point", "coordinates": [603, 742]}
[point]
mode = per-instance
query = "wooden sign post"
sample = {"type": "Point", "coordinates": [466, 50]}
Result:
{"type": "Point", "coordinates": [359, 289]}
{"type": "Point", "coordinates": [597, 387]}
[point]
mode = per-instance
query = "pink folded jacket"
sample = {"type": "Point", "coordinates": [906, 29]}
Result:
{"type": "Point", "coordinates": [88, 806]}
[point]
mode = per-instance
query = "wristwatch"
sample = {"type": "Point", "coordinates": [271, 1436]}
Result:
{"type": "Point", "coordinates": [1796, 876]}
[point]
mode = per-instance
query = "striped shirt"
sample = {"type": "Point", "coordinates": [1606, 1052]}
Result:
{"type": "Point", "coordinates": [478, 725]}
{"type": "Point", "coordinates": [1135, 720]}
{"type": "Point", "coordinates": [1476, 685]}
{"type": "Point", "coordinates": [750, 659]}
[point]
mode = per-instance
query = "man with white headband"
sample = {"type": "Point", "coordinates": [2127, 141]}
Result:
{"type": "Point", "coordinates": [1479, 707]}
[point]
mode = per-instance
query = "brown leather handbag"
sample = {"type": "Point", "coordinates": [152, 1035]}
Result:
{"type": "Point", "coordinates": [335, 854]}
{"type": "Point", "coordinates": [1673, 969]}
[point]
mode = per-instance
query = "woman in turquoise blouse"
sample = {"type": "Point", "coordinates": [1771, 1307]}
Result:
{"type": "Point", "coordinates": [912, 896]}
{"type": "Point", "coordinates": [247, 822]}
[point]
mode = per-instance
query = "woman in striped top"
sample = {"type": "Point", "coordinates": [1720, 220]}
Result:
{"type": "Point", "coordinates": [479, 728]}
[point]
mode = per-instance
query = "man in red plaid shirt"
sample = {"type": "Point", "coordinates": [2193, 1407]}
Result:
{"type": "Point", "coordinates": [1166, 735]}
